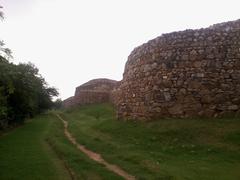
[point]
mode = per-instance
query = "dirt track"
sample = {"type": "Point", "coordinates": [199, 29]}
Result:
{"type": "Point", "coordinates": [94, 156]}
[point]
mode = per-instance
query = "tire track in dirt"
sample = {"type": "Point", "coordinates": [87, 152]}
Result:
{"type": "Point", "coordinates": [94, 156]}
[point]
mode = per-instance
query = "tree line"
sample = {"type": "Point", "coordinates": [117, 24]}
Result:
{"type": "Point", "coordinates": [24, 92]}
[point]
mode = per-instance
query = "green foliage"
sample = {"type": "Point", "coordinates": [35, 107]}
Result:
{"type": "Point", "coordinates": [23, 92]}
{"type": "Point", "coordinates": [6, 52]}
{"type": "Point", "coordinates": [57, 104]}
{"type": "Point", "coordinates": [1, 13]}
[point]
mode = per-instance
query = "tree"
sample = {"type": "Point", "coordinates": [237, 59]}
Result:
{"type": "Point", "coordinates": [57, 104]}
{"type": "Point", "coordinates": [1, 13]}
{"type": "Point", "coordinates": [6, 52]}
{"type": "Point", "coordinates": [23, 92]}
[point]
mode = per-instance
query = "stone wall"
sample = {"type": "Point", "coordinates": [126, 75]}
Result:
{"type": "Point", "coordinates": [191, 73]}
{"type": "Point", "coordinates": [69, 102]}
{"type": "Point", "coordinates": [97, 85]}
{"type": "Point", "coordinates": [94, 91]}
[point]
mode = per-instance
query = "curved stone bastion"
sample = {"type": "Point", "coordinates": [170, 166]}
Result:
{"type": "Point", "coordinates": [191, 73]}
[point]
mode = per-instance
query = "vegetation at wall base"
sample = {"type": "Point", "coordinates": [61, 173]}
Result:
{"type": "Point", "coordinates": [161, 149]}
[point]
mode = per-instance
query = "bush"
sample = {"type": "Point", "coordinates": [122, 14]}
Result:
{"type": "Point", "coordinates": [23, 92]}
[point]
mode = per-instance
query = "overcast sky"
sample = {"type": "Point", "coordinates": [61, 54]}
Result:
{"type": "Point", "coordinates": [73, 41]}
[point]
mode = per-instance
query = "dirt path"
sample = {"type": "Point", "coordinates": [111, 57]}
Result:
{"type": "Point", "coordinates": [94, 156]}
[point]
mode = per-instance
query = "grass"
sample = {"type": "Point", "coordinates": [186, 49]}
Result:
{"type": "Point", "coordinates": [198, 149]}
{"type": "Point", "coordinates": [80, 165]}
{"type": "Point", "coordinates": [39, 151]}
{"type": "Point", "coordinates": [25, 155]}
{"type": "Point", "coordinates": [166, 149]}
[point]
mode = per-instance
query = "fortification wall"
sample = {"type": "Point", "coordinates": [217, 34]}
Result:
{"type": "Point", "coordinates": [69, 102]}
{"type": "Point", "coordinates": [91, 97]}
{"type": "Point", "coordinates": [192, 73]}
{"type": "Point", "coordinates": [97, 85]}
{"type": "Point", "coordinates": [92, 92]}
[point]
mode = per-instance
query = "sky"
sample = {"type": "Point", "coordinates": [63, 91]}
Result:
{"type": "Point", "coordinates": [74, 41]}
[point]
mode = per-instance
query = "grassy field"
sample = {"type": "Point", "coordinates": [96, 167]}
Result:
{"type": "Point", "coordinates": [39, 151]}
{"type": "Point", "coordinates": [80, 165]}
{"type": "Point", "coordinates": [167, 149]}
{"type": "Point", "coordinates": [25, 155]}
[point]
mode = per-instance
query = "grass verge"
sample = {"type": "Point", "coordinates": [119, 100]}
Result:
{"type": "Point", "coordinates": [25, 155]}
{"type": "Point", "coordinates": [164, 149]}
{"type": "Point", "coordinates": [39, 150]}
{"type": "Point", "coordinates": [77, 163]}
